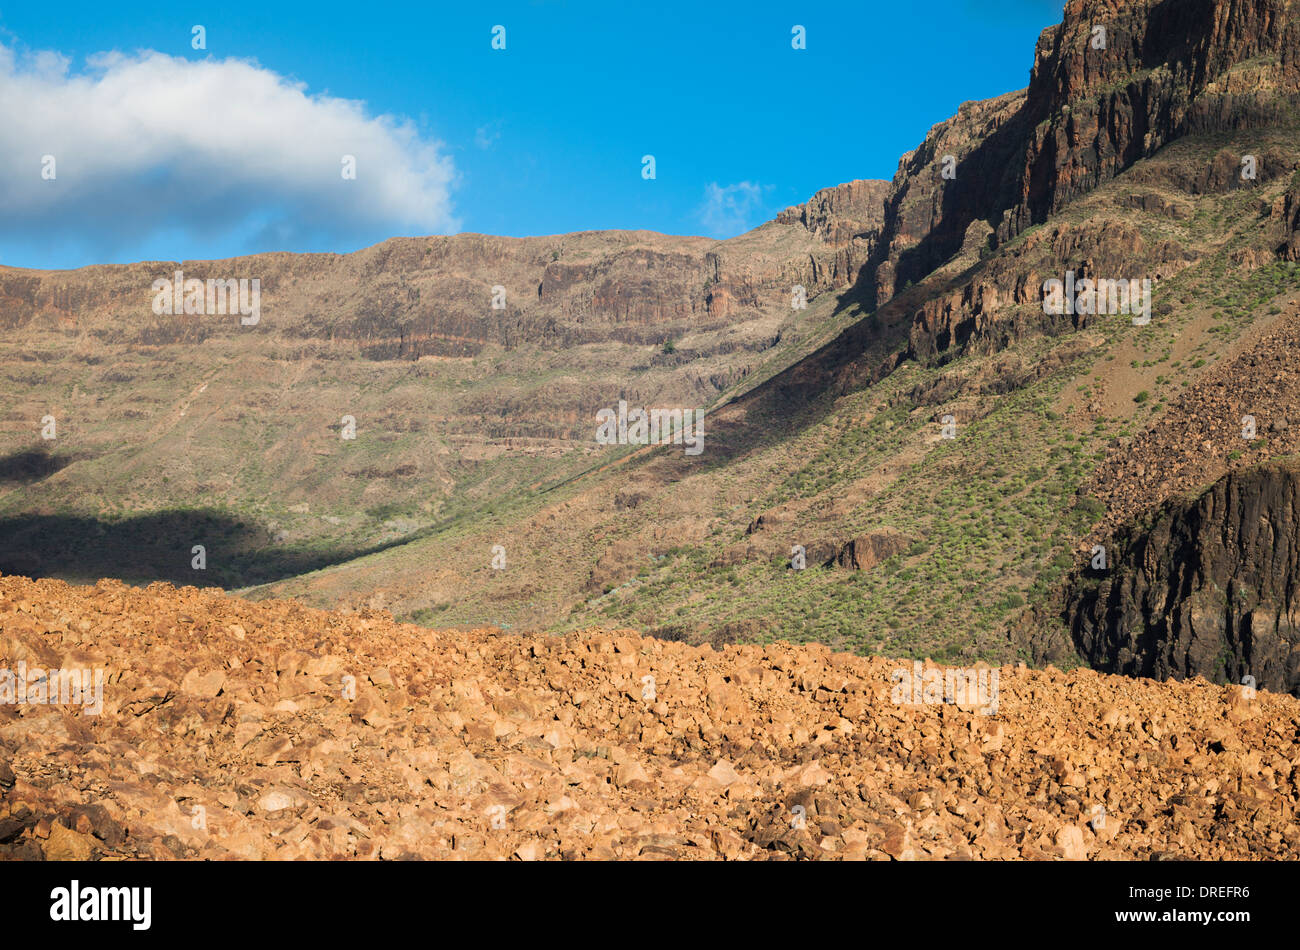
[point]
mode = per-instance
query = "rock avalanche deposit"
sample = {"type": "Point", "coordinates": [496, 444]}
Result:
{"type": "Point", "coordinates": [228, 731]}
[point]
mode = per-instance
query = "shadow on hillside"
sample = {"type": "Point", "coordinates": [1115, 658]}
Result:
{"type": "Point", "coordinates": [872, 347]}
{"type": "Point", "coordinates": [157, 547]}
{"type": "Point", "coordinates": [31, 465]}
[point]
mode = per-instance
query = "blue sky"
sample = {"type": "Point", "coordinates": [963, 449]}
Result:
{"type": "Point", "coordinates": [165, 152]}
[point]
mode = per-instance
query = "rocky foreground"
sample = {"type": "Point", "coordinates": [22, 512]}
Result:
{"type": "Point", "coordinates": [232, 729]}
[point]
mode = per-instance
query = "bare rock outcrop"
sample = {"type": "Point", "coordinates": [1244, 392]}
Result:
{"type": "Point", "coordinates": [866, 551]}
{"type": "Point", "coordinates": [1208, 588]}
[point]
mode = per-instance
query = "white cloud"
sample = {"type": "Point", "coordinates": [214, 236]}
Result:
{"type": "Point", "coordinates": [729, 210]}
{"type": "Point", "coordinates": [485, 136]}
{"type": "Point", "coordinates": [150, 145]}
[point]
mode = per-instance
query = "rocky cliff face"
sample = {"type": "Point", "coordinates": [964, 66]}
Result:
{"type": "Point", "coordinates": [1167, 70]}
{"type": "Point", "coordinates": [410, 297]}
{"type": "Point", "coordinates": [847, 220]}
{"type": "Point", "coordinates": [957, 262]}
{"type": "Point", "coordinates": [839, 214]}
{"type": "Point", "coordinates": [1290, 214]}
{"type": "Point", "coordinates": [1210, 588]}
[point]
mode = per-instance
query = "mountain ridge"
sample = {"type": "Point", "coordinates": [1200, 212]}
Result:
{"type": "Point", "coordinates": [825, 426]}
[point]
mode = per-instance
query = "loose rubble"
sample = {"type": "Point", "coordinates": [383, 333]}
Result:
{"type": "Point", "coordinates": [232, 729]}
{"type": "Point", "coordinates": [1200, 436]}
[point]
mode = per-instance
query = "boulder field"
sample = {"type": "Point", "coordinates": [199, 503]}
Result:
{"type": "Point", "coordinates": [229, 729]}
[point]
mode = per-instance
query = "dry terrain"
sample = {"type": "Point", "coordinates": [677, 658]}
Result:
{"type": "Point", "coordinates": [228, 731]}
{"type": "Point", "coordinates": [474, 630]}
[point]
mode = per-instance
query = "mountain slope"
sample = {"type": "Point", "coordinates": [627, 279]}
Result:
{"type": "Point", "coordinates": [940, 451]}
{"type": "Point", "coordinates": [845, 450]}
{"type": "Point", "coordinates": [181, 429]}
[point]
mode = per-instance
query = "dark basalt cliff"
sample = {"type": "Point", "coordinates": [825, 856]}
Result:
{"type": "Point", "coordinates": [1168, 68]}
{"type": "Point", "coordinates": [1210, 587]}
